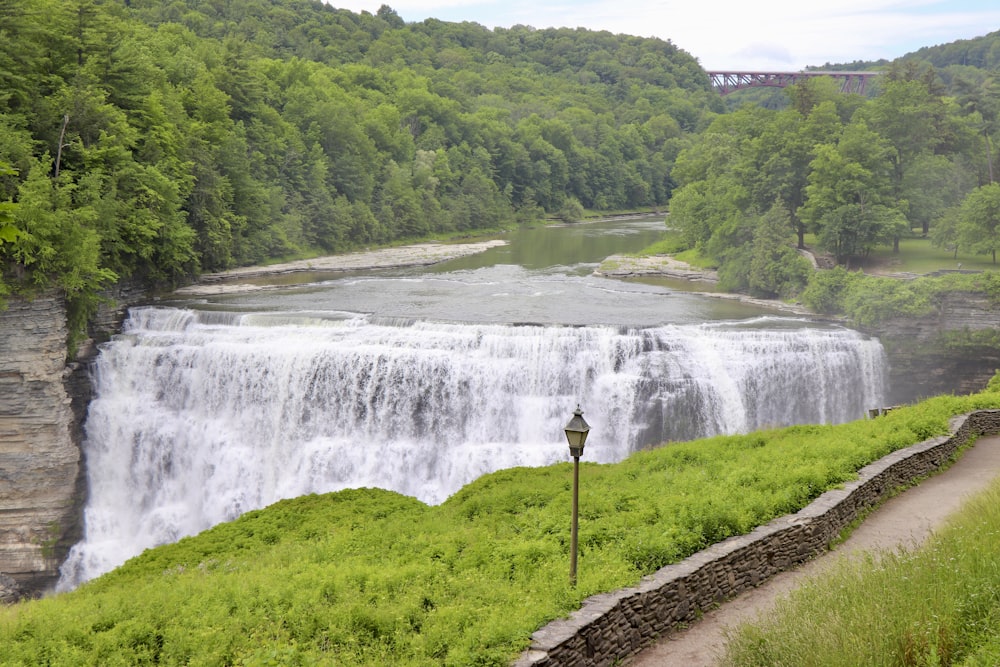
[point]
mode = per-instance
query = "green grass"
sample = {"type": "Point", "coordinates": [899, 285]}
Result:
{"type": "Point", "coordinates": [917, 255]}
{"type": "Point", "coordinates": [673, 244]}
{"type": "Point", "coordinates": [939, 605]}
{"type": "Point", "coordinates": [369, 577]}
{"type": "Point", "coordinates": [695, 258]}
{"type": "Point", "coordinates": [637, 210]}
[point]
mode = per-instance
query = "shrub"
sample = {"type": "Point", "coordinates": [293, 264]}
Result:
{"type": "Point", "coordinates": [826, 290]}
{"type": "Point", "coordinates": [370, 577]}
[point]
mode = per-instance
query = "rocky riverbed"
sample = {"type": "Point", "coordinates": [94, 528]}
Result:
{"type": "Point", "coordinates": [665, 266]}
{"type": "Point", "coordinates": [418, 254]}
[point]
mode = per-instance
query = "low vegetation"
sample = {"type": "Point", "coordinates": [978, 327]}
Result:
{"type": "Point", "coordinates": [366, 577]}
{"type": "Point", "coordinates": [939, 605]}
{"type": "Point", "coordinates": [869, 300]}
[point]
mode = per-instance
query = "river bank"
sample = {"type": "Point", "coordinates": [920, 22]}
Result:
{"type": "Point", "coordinates": [665, 266]}
{"type": "Point", "coordinates": [418, 254]}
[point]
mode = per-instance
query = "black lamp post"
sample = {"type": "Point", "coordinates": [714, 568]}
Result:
{"type": "Point", "coordinates": [576, 434]}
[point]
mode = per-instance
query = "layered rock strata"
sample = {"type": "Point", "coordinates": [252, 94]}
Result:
{"type": "Point", "coordinates": [953, 350]}
{"type": "Point", "coordinates": [40, 468]}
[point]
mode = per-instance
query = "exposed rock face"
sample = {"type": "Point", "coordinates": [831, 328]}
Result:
{"type": "Point", "coordinates": [955, 350]}
{"type": "Point", "coordinates": [40, 468]}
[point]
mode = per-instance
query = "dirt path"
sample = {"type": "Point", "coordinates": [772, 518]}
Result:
{"type": "Point", "coordinates": [904, 521]}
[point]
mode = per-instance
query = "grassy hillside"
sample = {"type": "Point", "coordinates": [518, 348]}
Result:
{"type": "Point", "coordinates": [369, 577]}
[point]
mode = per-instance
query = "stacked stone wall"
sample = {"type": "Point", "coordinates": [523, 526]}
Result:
{"type": "Point", "coordinates": [613, 626]}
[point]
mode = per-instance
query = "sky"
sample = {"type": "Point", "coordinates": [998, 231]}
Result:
{"type": "Point", "coordinates": [746, 35]}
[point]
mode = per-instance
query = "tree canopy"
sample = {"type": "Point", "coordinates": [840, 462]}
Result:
{"type": "Point", "coordinates": [855, 173]}
{"type": "Point", "coordinates": [153, 140]}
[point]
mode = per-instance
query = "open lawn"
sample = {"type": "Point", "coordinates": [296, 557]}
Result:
{"type": "Point", "coordinates": [917, 255]}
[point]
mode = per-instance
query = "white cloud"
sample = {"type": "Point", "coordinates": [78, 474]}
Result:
{"type": "Point", "coordinates": [736, 34]}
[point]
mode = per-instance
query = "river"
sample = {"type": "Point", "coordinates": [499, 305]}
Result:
{"type": "Point", "coordinates": [421, 380]}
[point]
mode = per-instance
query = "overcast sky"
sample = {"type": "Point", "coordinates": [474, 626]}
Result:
{"type": "Point", "coordinates": [775, 35]}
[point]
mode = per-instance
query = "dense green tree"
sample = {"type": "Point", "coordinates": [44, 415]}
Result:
{"type": "Point", "coordinates": [55, 235]}
{"type": "Point", "coordinates": [9, 231]}
{"type": "Point", "coordinates": [944, 234]}
{"type": "Point", "coordinates": [780, 155]}
{"type": "Point", "coordinates": [197, 135]}
{"type": "Point", "coordinates": [981, 103]}
{"type": "Point", "coordinates": [854, 229]}
{"type": "Point", "coordinates": [979, 224]}
{"type": "Point", "coordinates": [912, 117]}
{"type": "Point", "coordinates": [776, 269]}
{"type": "Point", "coordinates": [932, 184]}
{"type": "Point", "coordinates": [850, 202]}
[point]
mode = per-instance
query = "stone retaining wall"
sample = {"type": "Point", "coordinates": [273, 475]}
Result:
{"type": "Point", "coordinates": [612, 626]}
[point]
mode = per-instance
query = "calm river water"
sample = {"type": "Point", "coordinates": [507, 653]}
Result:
{"type": "Point", "coordinates": [543, 276]}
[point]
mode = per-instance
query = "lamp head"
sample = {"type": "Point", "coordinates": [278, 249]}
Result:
{"type": "Point", "coordinates": [576, 433]}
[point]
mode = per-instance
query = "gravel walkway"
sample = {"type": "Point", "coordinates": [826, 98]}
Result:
{"type": "Point", "coordinates": [905, 521]}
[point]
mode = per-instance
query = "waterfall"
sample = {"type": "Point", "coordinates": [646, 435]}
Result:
{"type": "Point", "coordinates": [200, 416]}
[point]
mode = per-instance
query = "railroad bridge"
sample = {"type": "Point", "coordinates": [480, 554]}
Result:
{"type": "Point", "coordinates": [728, 82]}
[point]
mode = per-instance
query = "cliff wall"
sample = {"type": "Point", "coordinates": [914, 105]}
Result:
{"type": "Point", "coordinates": [954, 350]}
{"type": "Point", "coordinates": [41, 481]}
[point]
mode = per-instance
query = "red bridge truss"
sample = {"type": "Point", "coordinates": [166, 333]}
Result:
{"type": "Point", "coordinates": [727, 82]}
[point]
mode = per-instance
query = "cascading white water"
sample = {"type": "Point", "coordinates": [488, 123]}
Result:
{"type": "Point", "coordinates": [201, 416]}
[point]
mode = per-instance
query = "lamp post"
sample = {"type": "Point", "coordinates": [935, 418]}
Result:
{"type": "Point", "coordinates": [576, 434]}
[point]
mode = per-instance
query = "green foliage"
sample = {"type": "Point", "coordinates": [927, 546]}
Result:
{"type": "Point", "coordinates": [993, 386]}
{"type": "Point", "coordinates": [775, 268]}
{"type": "Point", "coordinates": [9, 233]}
{"type": "Point", "coordinates": [56, 236]}
{"type": "Point", "coordinates": [366, 577]}
{"type": "Point", "coordinates": [870, 300]}
{"type": "Point", "coordinates": [877, 299]}
{"type": "Point", "coordinates": [854, 229]}
{"type": "Point", "coordinates": [196, 135]}
{"type": "Point", "coordinates": [933, 606]}
{"type": "Point", "coordinates": [979, 223]}
{"type": "Point", "coordinates": [857, 173]}
{"type": "Point", "coordinates": [827, 290]}
{"type": "Point", "coordinates": [970, 342]}
{"type": "Point", "coordinates": [671, 244]}
{"type": "Point", "coordinates": [571, 211]}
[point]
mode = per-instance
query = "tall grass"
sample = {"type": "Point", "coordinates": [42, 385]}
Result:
{"type": "Point", "coordinates": [369, 577]}
{"type": "Point", "coordinates": [939, 605]}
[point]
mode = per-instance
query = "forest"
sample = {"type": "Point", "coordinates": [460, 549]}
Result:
{"type": "Point", "coordinates": [854, 173]}
{"type": "Point", "coordinates": [150, 141]}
